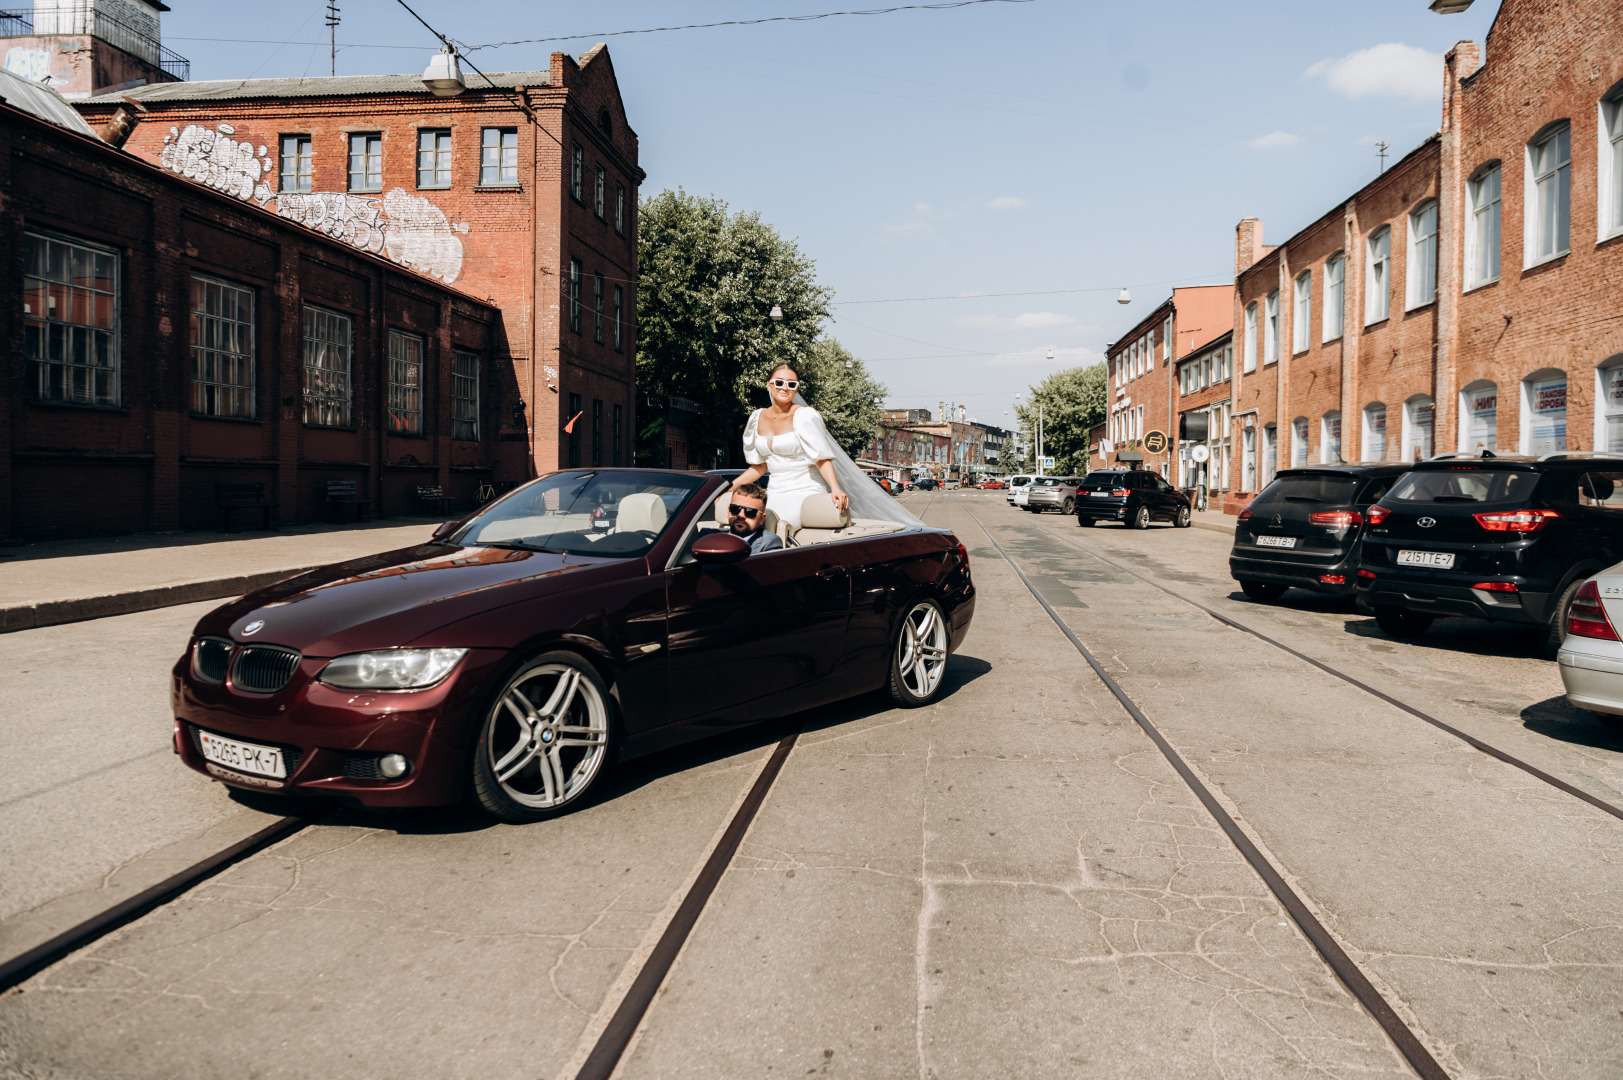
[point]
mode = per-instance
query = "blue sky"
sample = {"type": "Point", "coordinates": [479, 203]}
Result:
{"type": "Point", "coordinates": [997, 148]}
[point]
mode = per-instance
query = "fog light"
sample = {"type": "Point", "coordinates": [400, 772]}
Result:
{"type": "Point", "coordinates": [1333, 579]}
{"type": "Point", "coordinates": [393, 766]}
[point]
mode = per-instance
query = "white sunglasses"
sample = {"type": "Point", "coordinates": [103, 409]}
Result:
{"type": "Point", "coordinates": [786, 384]}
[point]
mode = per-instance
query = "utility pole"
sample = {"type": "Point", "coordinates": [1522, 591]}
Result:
{"type": "Point", "coordinates": [1380, 152]}
{"type": "Point", "coordinates": [332, 29]}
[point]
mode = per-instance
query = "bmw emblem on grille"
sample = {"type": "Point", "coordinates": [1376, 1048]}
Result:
{"type": "Point", "coordinates": [1426, 522]}
{"type": "Point", "coordinates": [253, 628]}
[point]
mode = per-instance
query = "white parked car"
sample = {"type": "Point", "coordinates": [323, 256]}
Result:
{"type": "Point", "coordinates": [1019, 488]}
{"type": "Point", "coordinates": [1591, 656]}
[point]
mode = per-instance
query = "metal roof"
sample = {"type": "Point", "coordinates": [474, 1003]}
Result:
{"type": "Point", "coordinates": [42, 101]}
{"type": "Point", "coordinates": [324, 86]}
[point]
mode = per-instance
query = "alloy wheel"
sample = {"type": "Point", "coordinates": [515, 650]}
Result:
{"type": "Point", "coordinates": [548, 735]}
{"type": "Point", "coordinates": [921, 650]}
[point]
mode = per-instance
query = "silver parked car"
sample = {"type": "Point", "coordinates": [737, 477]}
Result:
{"type": "Point", "coordinates": [1591, 656]}
{"type": "Point", "coordinates": [1052, 493]}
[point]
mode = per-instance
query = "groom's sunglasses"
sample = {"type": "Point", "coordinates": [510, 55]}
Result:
{"type": "Point", "coordinates": [785, 384]}
{"type": "Point", "coordinates": [748, 511]}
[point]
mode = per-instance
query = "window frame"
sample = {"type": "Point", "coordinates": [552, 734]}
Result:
{"type": "Point", "coordinates": [574, 295]}
{"type": "Point", "coordinates": [304, 152]}
{"type": "Point", "coordinates": [1533, 207]}
{"type": "Point", "coordinates": [600, 188]}
{"type": "Point", "coordinates": [1481, 217]}
{"type": "Point", "coordinates": [577, 173]}
{"type": "Point", "coordinates": [440, 156]}
{"type": "Point", "coordinates": [1420, 289]}
{"type": "Point", "coordinates": [1302, 320]}
{"type": "Point", "coordinates": [597, 309]}
{"type": "Point", "coordinates": [39, 366]}
{"type": "Point", "coordinates": [1411, 427]}
{"type": "Point", "coordinates": [1609, 166]}
{"type": "Point", "coordinates": [1470, 390]}
{"type": "Point", "coordinates": [494, 173]}
{"type": "Point", "coordinates": [204, 405]}
{"type": "Point", "coordinates": [366, 139]}
{"type": "Point", "coordinates": [1331, 416]}
{"type": "Point", "coordinates": [620, 209]}
{"type": "Point", "coordinates": [1529, 382]}
{"type": "Point", "coordinates": [1334, 284]}
{"type": "Point", "coordinates": [465, 407]}
{"type": "Point", "coordinates": [1366, 429]}
{"type": "Point", "coordinates": [1249, 362]}
{"type": "Point", "coordinates": [1603, 400]}
{"type": "Point", "coordinates": [1270, 329]}
{"type": "Point", "coordinates": [397, 401]}
{"type": "Point", "coordinates": [619, 318]}
{"type": "Point", "coordinates": [1378, 299]}
{"type": "Point", "coordinates": [312, 399]}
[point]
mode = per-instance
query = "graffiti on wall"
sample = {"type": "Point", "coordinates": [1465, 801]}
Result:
{"type": "Point", "coordinates": [406, 229]}
{"type": "Point", "coordinates": [33, 65]}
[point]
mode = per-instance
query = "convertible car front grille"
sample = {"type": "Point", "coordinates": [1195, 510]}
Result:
{"type": "Point", "coordinates": [263, 669]}
{"type": "Point", "coordinates": [212, 658]}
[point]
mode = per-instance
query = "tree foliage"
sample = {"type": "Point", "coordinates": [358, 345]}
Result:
{"type": "Point", "coordinates": [839, 386]}
{"type": "Point", "coordinates": [1073, 401]}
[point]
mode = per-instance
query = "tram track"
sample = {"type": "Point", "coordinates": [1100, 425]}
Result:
{"type": "Point", "coordinates": [1345, 968]}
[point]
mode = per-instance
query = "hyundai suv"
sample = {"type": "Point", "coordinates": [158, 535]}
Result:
{"type": "Point", "coordinates": [1509, 539]}
{"type": "Point", "coordinates": [1304, 529]}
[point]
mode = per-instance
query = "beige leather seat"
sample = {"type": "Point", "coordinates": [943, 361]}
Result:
{"type": "Point", "coordinates": [821, 522]}
{"type": "Point", "coordinates": [641, 511]}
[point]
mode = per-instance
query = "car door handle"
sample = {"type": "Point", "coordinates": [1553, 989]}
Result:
{"type": "Point", "coordinates": [831, 572]}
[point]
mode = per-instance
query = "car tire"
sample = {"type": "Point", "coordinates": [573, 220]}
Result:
{"type": "Point", "coordinates": [544, 741]}
{"type": "Point", "coordinates": [1140, 518]}
{"type": "Point", "coordinates": [1265, 592]}
{"type": "Point", "coordinates": [1068, 507]}
{"type": "Point", "coordinates": [918, 655]}
{"type": "Point", "coordinates": [1084, 522]}
{"type": "Point", "coordinates": [1556, 628]}
{"type": "Point", "coordinates": [1182, 521]}
{"type": "Point", "coordinates": [1400, 623]}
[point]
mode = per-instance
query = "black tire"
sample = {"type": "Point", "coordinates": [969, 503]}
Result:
{"type": "Point", "coordinates": [1556, 628]}
{"type": "Point", "coordinates": [1265, 592]}
{"type": "Point", "coordinates": [1068, 507]}
{"type": "Point", "coordinates": [1084, 522]}
{"type": "Point", "coordinates": [906, 681]}
{"type": "Point", "coordinates": [1140, 518]}
{"type": "Point", "coordinates": [1183, 519]}
{"type": "Point", "coordinates": [1400, 623]}
{"type": "Point", "coordinates": [509, 798]}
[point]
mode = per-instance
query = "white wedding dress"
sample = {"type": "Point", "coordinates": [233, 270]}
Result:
{"type": "Point", "coordinates": [791, 461]}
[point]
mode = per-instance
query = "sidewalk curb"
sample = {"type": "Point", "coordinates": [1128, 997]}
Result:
{"type": "Point", "coordinates": [53, 612]}
{"type": "Point", "coordinates": [1226, 530]}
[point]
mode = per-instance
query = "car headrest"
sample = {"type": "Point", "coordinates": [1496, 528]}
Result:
{"type": "Point", "coordinates": [1601, 486]}
{"type": "Point", "coordinates": [819, 512]}
{"type": "Point", "coordinates": [641, 511]}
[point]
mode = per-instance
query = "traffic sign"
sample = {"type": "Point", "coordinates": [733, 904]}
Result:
{"type": "Point", "coordinates": [1155, 442]}
{"type": "Point", "coordinates": [1048, 463]}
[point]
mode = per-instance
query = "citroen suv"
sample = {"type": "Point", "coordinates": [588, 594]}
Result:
{"type": "Point", "coordinates": [1509, 539]}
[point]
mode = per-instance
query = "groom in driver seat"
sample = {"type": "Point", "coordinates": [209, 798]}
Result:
{"type": "Point", "coordinates": [746, 517]}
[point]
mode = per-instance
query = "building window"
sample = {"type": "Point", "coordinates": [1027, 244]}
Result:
{"type": "Point", "coordinates": [327, 337]}
{"type": "Point", "coordinates": [597, 309]}
{"type": "Point", "coordinates": [1269, 464]}
{"type": "Point", "coordinates": [619, 435]}
{"type": "Point", "coordinates": [1270, 331]}
{"type": "Point", "coordinates": [1330, 438]}
{"type": "Point", "coordinates": [1544, 412]}
{"type": "Point", "coordinates": [1609, 171]}
{"type": "Point", "coordinates": [620, 209]}
{"type": "Point", "coordinates": [1378, 277]}
{"type": "Point", "coordinates": [1418, 422]}
{"type": "Point", "coordinates": [222, 348]}
{"type": "Point", "coordinates": [465, 396]}
{"type": "Point", "coordinates": [1482, 234]}
{"type": "Point", "coordinates": [405, 384]}
{"type": "Point", "coordinates": [1479, 409]}
{"type": "Point", "coordinates": [1609, 417]}
{"type": "Point", "coordinates": [1421, 273]}
{"type": "Point", "coordinates": [1335, 296]}
{"type": "Point", "coordinates": [1302, 320]}
{"type": "Point", "coordinates": [70, 321]}
{"type": "Point", "coordinates": [572, 431]}
{"type": "Point", "coordinates": [1299, 441]}
{"type": "Point", "coordinates": [1374, 432]}
{"type": "Point", "coordinates": [298, 163]}
{"type": "Point", "coordinates": [577, 174]}
{"type": "Point", "coordinates": [498, 157]}
{"type": "Point", "coordinates": [597, 432]}
{"type": "Point", "coordinates": [1166, 340]}
{"type": "Point", "coordinates": [600, 187]}
{"type": "Point", "coordinates": [1250, 344]}
{"type": "Point", "coordinates": [434, 159]}
{"type": "Point", "coordinates": [366, 162]}
{"type": "Point", "coordinates": [619, 308]}
{"type": "Point", "coordinates": [1248, 450]}
{"type": "Point", "coordinates": [574, 295]}
{"type": "Point", "coordinates": [1549, 172]}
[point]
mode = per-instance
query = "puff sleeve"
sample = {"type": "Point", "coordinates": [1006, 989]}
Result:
{"type": "Point", "coordinates": [813, 434]}
{"type": "Point", "coordinates": [752, 456]}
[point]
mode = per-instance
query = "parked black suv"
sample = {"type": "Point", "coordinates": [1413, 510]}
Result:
{"type": "Point", "coordinates": [1508, 539]}
{"type": "Point", "coordinates": [1135, 497]}
{"type": "Point", "coordinates": [1304, 529]}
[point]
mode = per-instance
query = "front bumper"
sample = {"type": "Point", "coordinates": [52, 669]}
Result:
{"type": "Point", "coordinates": [1442, 597]}
{"type": "Point", "coordinates": [1592, 682]}
{"type": "Point", "coordinates": [328, 735]}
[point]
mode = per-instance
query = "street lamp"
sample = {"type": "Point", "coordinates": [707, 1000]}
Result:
{"type": "Point", "coordinates": [1123, 297]}
{"type": "Point", "coordinates": [443, 78]}
{"type": "Point", "coordinates": [776, 314]}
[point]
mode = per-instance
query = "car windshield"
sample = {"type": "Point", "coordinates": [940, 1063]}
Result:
{"type": "Point", "coordinates": [1308, 489]}
{"type": "Point", "coordinates": [1462, 485]}
{"type": "Point", "coordinates": [1105, 479]}
{"type": "Point", "coordinates": [616, 515]}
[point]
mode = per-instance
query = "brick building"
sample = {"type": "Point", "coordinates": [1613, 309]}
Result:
{"type": "Point", "coordinates": [163, 338]}
{"type": "Point", "coordinates": [1202, 378]}
{"type": "Point", "coordinates": [522, 193]}
{"type": "Point", "coordinates": [1394, 326]}
{"type": "Point", "coordinates": [85, 47]}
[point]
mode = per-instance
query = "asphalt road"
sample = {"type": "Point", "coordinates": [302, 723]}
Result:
{"type": "Point", "coordinates": [1012, 882]}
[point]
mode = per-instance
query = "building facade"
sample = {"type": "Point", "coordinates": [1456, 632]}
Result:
{"type": "Point", "coordinates": [85, 47]}
{"type": "Point", "coordinates": [1202, 441]}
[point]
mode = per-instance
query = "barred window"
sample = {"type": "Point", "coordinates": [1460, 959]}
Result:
{"type": "Point", "coordinates": [434, 159]}
{"type": "Point", "coordinates": [574, 295]}
{"type": "Point", "coordinates": [597, 308]}
{"type": "Point", "coordinates": [326, 368]}
{"type": "Point", "coordinates": [366, 162]}
{"type": "Point", "coordinates": [222, 348]}
{"type": "Point", "coordinates": [619, 424]}
{"type": "Point", "coordinates": [298, 163]}
{"type": "Point", "coordinates": [498, 162]}
{"type": "Point", "coordinates": [70, 321]}
{"type": "Point", "coordinates": [465, 397]}
{"type": "Point", "coordinates": [619, 308]}
{"type": "Point", "coordinates": [405, 383]}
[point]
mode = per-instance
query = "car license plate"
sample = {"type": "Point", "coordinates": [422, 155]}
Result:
{"type": "Point", "coordinates": [244, 757]}
{"type": "Point", "coordinates": [1100, 494]}
{"type": "Point", "coordinates": [1276, 541]}
{"type": "Point", "coordinates": [1442, 560]}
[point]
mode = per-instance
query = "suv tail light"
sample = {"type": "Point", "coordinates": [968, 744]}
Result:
{"type": "Point", "coordinates": [1245, 515]}
{"type": "Point", "coordinates": [1586, 617]}
{"type": "Point", "coordinates": [1336, 519]}
{"type": "Point", "coordinates": [1377, 514]}
{"type": "Point", "coordinates": [1516, 521]}
{"type": "Point", "coordinates": [1496, 586]}
{"type": "Point", "coordinates": [1120, 493]}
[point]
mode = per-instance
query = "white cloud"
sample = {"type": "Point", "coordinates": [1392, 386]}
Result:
{"type": "Point", "coordinates": [1274, 140]}
{"type": "Point", "coordinates": [1026, 320]}
{"type": "Point", "coordinates": [1389, 70]}
{"type": "Point", "coordinates": [910, 232]}
{"type": "Point", "coordinates": [1068, 357]}
{"type": "Point", "coordinates": [1009, 202]}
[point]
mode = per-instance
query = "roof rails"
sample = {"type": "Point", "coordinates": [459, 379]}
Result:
{"type": "Point", "coordinates": [1560, 454]}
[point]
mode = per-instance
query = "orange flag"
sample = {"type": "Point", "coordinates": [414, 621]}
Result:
{"type": "Point", "coordinates": [570, 427]}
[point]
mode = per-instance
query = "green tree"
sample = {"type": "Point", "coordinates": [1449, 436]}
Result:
{"type": "Point", "coordinates": [1073, 401]}
{"type": "Point", "coordinates": [707, 283]}
{"type": "Point", "coordinates": [839, 386]}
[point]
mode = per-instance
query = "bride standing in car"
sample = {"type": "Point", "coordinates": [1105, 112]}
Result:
{"type": "Point", "coordinates": [788, 441]}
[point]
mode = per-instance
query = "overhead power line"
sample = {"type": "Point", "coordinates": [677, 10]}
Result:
{"type": "Point", "coordinates": [989, 296]}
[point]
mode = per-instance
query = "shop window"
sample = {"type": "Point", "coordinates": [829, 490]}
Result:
{"type": "Point", "coordinates": [1544, 412]}
{"type": "Point", "coordinates": [1374, 442]}
{"type": "Point", "coordinates": [1479, 418]}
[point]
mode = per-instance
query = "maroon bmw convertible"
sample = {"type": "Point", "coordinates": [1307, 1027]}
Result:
{"type": "Point", "coordinates": [585, 618]}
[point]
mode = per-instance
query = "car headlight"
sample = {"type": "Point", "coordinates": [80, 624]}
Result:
{"type": "Point", "coordinates": [391, 669]}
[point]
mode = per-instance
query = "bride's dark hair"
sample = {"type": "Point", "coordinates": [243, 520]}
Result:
{"type": "Point", "coordinates": [783, 367]}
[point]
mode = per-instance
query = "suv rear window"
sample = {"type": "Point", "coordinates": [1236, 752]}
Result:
{"type": "Point", "coordinates": [1105, 479]}
{"type": "Point", "coordinates": [1305, 489]}
{"type": "Point", "coordinates": [1463, 486]}
{"type": "Point", "coordinates": [1049, 481]}
{"type": "Point", "coordinates": [1013, 480]}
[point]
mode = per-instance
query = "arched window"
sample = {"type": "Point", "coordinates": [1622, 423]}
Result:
{"type": "Point", "coordinates": [1544, 412]}
{"type": "Point", "coordinates": [1479, 418]}
{"type": "Point", "coordinates": [1549, 194]}
{"type": "Point", "coordinates": [1299, 441]}
{"type": "Point", "coordinates": [1330, 438]}
{"type": "Point", "coordinates": [1374, 445]}
{"type": "Point", "coordinates": [1421, 272]}
{"type": "Point", "coordinates": [1482, 238]}
{"type": "Point", "coordinates": [1609, 401]}
{"type": "Point", "coordinates": [1609, 165]}
{"type": "Point", "coordinates": [1419, 421]}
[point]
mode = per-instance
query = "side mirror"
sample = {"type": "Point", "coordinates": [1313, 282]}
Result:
{"type": "Point", "coordinates": [720, 549]}
{"type": "Point", "coordinates": [444, 530]}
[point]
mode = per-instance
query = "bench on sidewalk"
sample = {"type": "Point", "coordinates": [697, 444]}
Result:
{"type": "Point", "coordinates": [434, 498]}
{"type": "Point", "coordinates": [347, 493]}
{"type": "Point", "coordinates": [229, 498]}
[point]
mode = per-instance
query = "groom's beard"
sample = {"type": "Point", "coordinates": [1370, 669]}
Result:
{"type": "Point", "coordinates": [744, 529]}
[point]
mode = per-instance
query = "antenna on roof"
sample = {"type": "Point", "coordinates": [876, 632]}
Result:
{"type": "Point", "coordinates": [332, 28]}
{"type": "Point", "coordinates": [1380, 152]}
